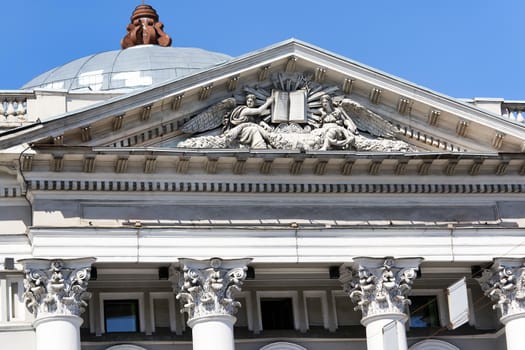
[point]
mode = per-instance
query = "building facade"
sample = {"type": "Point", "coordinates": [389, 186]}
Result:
{"type": "Point", "coordinates": [288, 198]}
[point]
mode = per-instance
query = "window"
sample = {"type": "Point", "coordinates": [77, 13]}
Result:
{"type": "Point", "coordinates": [424, 311]}
{"type": "Point", "coordinates": [122, 312]}
{"type": "Point", "coordinates": [277, 313]}
{"type": "Point", "coordinates": [121, 316]}
{"type": "Point", "coordinates": [433, 344]}
{"type": "Point", "coordinates": [282, 346]}
{"type": "Point", "coordinates": [125, 347]}
{"type": "Point", "coordinates": [278, 309]}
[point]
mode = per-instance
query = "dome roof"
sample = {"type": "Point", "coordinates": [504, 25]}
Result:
{"type": "Point", "coordinates": [124, 70]}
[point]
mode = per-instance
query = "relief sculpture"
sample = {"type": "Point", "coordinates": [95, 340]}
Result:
{"type": "Point", "coordinates": [292, 112]}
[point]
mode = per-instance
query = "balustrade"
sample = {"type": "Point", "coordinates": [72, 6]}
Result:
{"type": "Point", "coordinates": [13, 107]}
{"type": "Point", "coordinates": [514, 111]}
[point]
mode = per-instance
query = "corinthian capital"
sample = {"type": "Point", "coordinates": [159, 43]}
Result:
{"type": "Point", "coordinates": [380, 285]}
{"type": "Point", "coordinates": [56, 287]}
{"type": "Point", "coordinates": [207, 287]}
{"type": "Point", "coordinates": [504, 283]}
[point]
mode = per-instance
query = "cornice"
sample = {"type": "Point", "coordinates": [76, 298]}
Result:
{"type": "Point", "coordinates": [403, 87]}
{"type": "Point", "coordinates": [111, 164]}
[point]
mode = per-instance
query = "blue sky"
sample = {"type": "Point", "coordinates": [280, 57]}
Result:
{"type": "Point", "coordinates": [461, 48]}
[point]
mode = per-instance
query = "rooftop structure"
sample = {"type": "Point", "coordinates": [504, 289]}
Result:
{"type": "Point", "coordinates": [126, 70]}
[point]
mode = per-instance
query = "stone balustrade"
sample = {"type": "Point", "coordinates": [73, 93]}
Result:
{"type": "Point", "coordinates": [514, 110]}
{"type": "Point", "coordinates": [13, 108]}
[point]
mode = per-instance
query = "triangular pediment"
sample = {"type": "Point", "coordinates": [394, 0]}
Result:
{"type": "Point", "coordinates": [159, 116]}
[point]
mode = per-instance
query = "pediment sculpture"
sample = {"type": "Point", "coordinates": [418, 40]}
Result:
{"type": "Point", "coordinates": [291, 112]}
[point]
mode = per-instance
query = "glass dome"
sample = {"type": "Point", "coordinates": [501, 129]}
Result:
{"type": "Point", "coordinates": [126, 70]}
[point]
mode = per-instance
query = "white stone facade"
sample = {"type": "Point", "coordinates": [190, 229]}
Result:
{"type": "Point", "coordinates": [262, 247]}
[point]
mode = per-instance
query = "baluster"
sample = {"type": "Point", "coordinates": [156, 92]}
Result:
{"type": "Point", "coordinates": [10, 108]}
{"type": "Point", "coordinates": [519, 116]}
{"type": "Point", "coordinates": [506, 113]}
{"type": "Point", "coordinates": [16, 107]}
{"type": "Point", "coordinates": [19, 107]}
{"type": "Point", "coordinates": [22, 107]}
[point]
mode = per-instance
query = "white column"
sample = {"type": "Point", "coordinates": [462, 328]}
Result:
{"type": "Point", "coordinates": [206, 289]}
{"type": "Point", "coordinates": [375, 330]}
{"type": "Point", "coordinates": [380, 288]}
{"type": "Point", "coordinates": [213, 332]}
{"type": "Point", "coordinates": [514, 328]}
{"type": "Point", "coordinates": [58, 332]}
{"type": "Point", "coordinates": [55, 292]}
{"type": "Point", "coordinates": [504, 283]}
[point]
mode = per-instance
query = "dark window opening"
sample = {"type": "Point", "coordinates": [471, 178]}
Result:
{"type": "Point", "coordinates": [121, 316]}
{"type": "Point", "coordinates": [277, 313]}
{"type": "Point", "coordinates": [424, 311]}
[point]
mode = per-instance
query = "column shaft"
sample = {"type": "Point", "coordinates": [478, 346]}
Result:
{"type": "Point", "coordinates": [514, 333]}
{"type": "Point", "coordinates": [213, 332]}
{"type": "Point", "coordinates": [375, 337]}
{"type": "Point", "coordinates": [58, 332]}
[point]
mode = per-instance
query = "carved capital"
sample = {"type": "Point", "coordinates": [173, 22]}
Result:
{"type": "Point", "coordinates": [504, 283]}
{"type": "Point", "coordinates": [207, 287]}
{"type": "Point", "coordinates": [380, 285]}
{"type": "Point", "coordinates": [57, 287]}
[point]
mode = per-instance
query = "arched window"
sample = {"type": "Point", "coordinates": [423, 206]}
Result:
{"type": "Point", "coordinates": [125, 347]}
{"type": "Point", "coordinates": [282, 346]}
{"type": "Point", "coordinates": [433, 344]}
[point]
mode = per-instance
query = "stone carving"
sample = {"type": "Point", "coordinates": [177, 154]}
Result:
{"type": "Point", "coordinates": [145, 29]}
{"type": "Point", "coordinates": [504, 283]}
{"type": "Point", "coordinates": [208, 120]}
{"type": "Point", "coordinates": [380, 286]}
{"type": "Point", "coordinates": [292, 112]}
{"type": "Point", "coordinates": [207, 287]}
{"type": "Point", "coordinates": [56, 287]}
